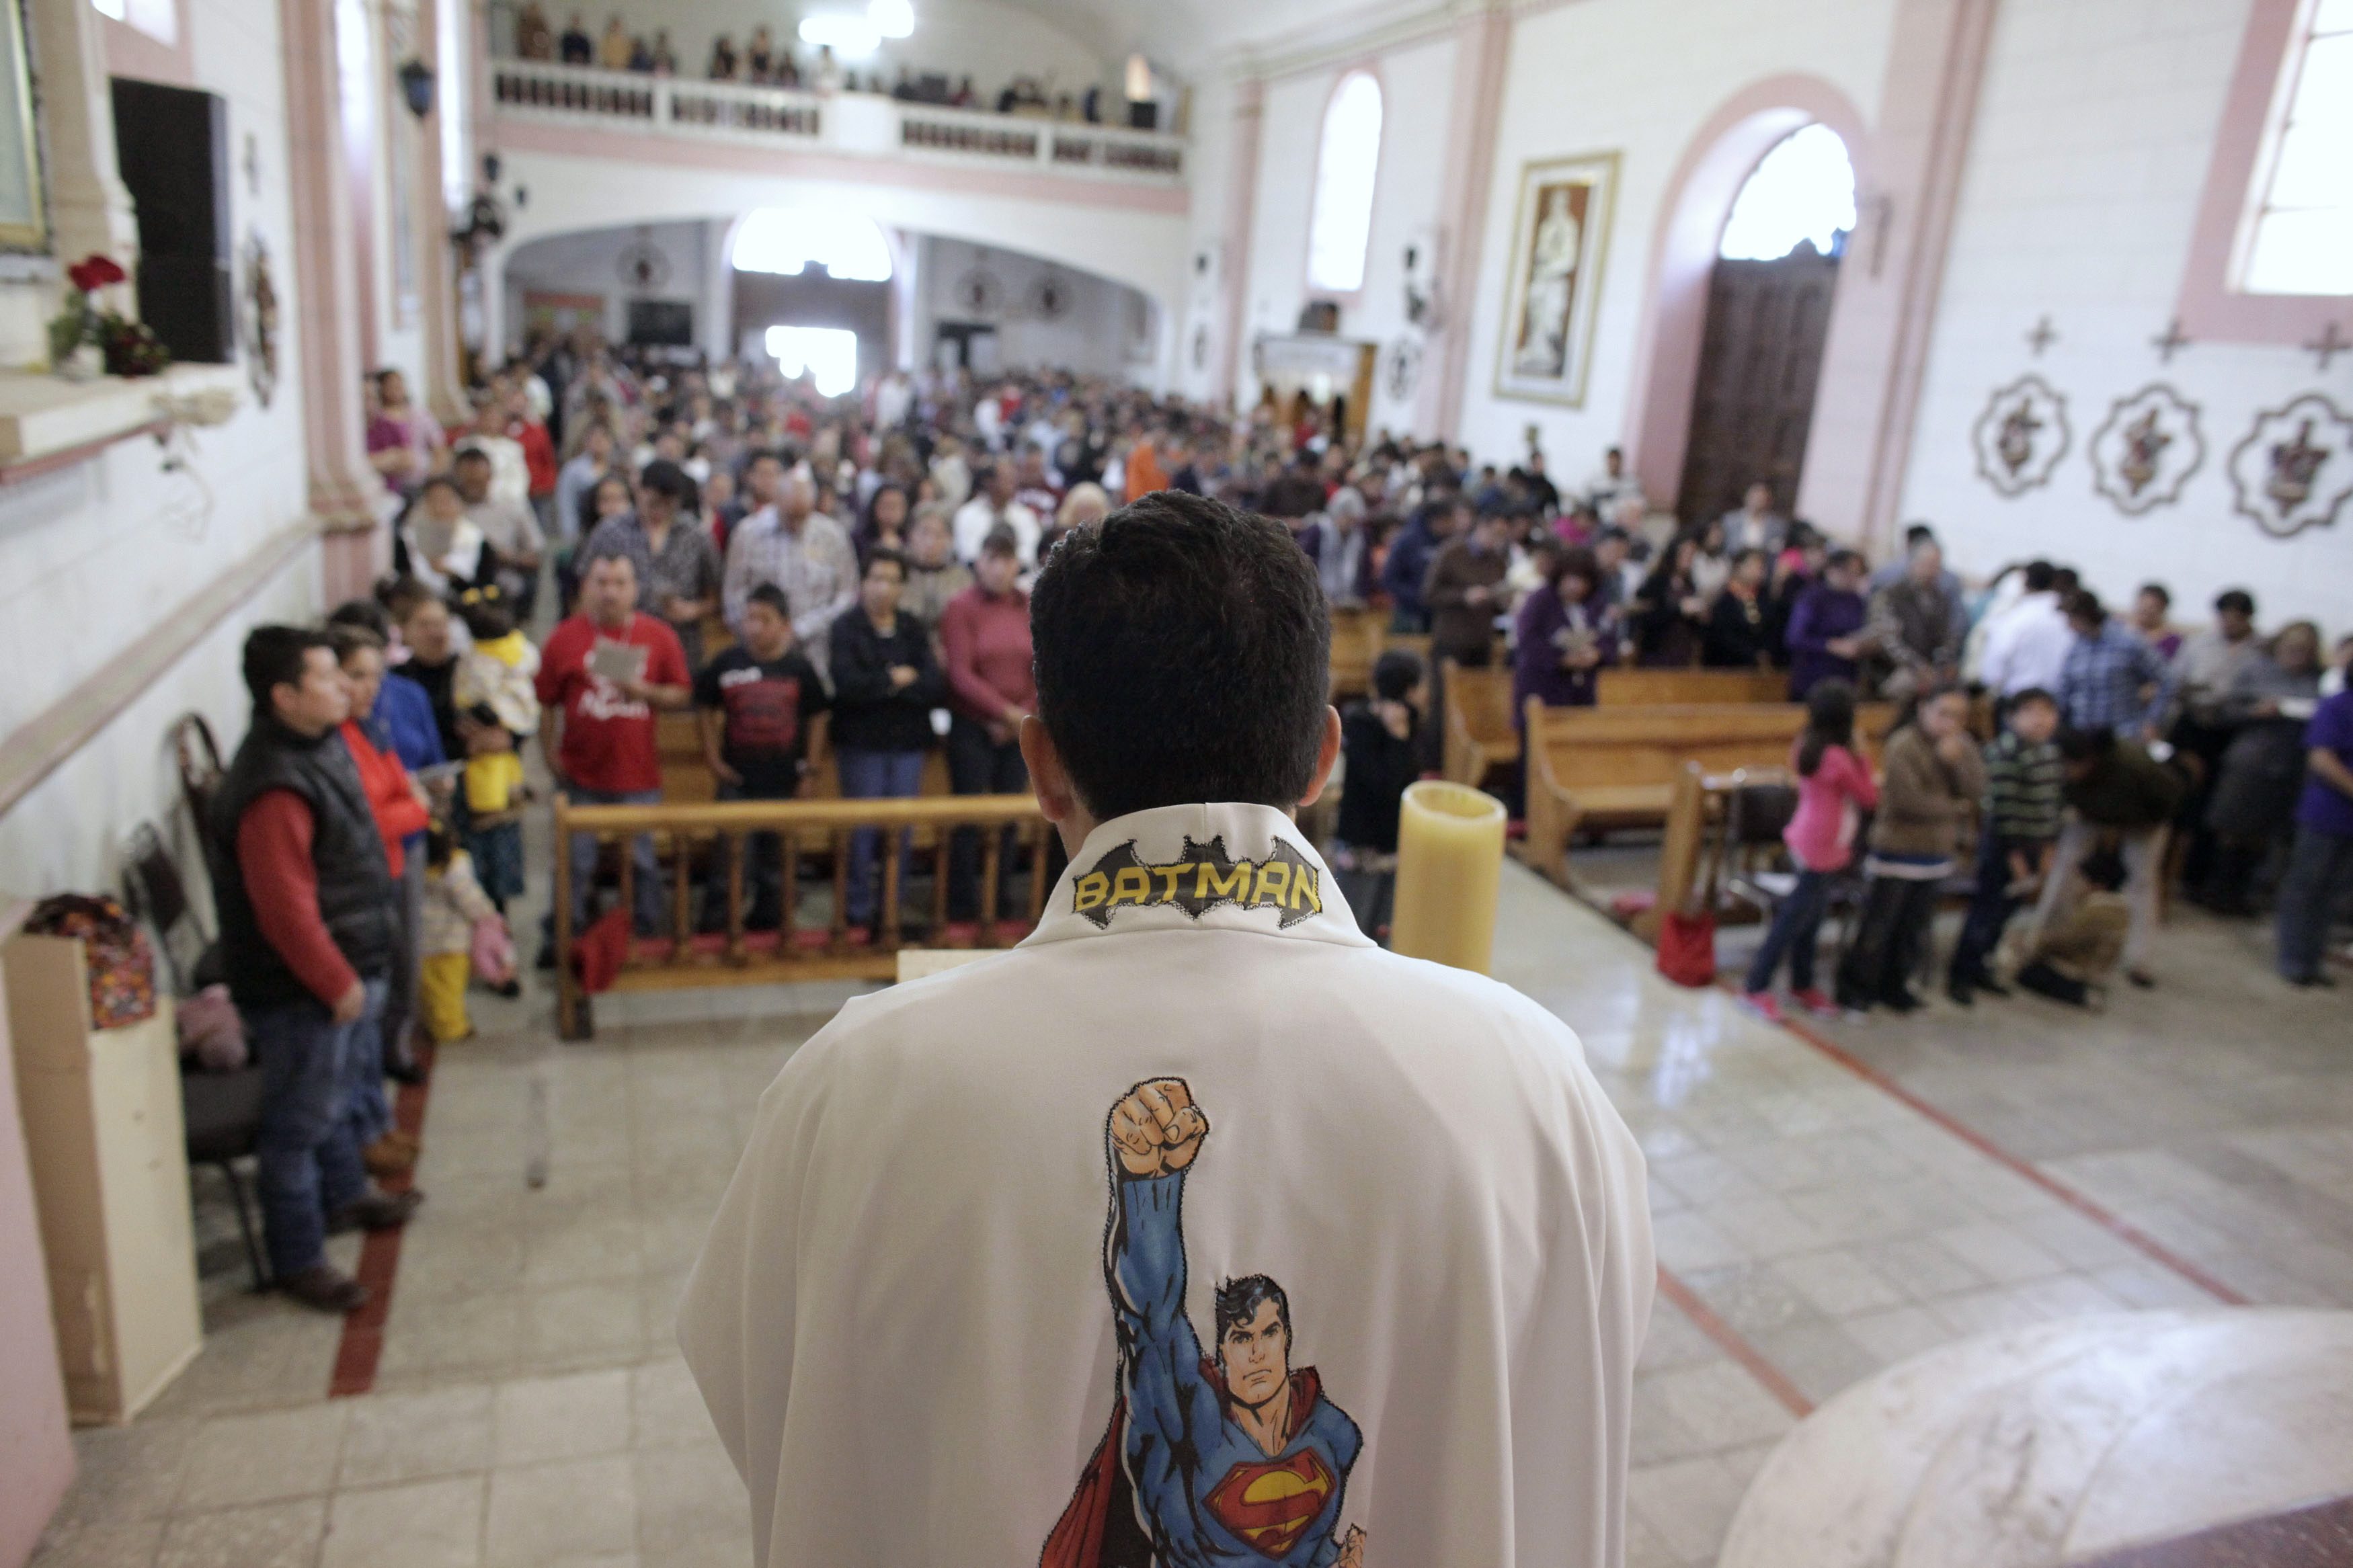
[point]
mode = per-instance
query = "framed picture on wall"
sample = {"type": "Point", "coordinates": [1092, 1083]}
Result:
{"type": "Point", "coordinates": [1553, 291]}
{"type": "Point", "coordinates": [23, 221]}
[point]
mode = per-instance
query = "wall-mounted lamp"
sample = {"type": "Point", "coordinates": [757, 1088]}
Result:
{"type": "Point", "coordinates": [417, 87]}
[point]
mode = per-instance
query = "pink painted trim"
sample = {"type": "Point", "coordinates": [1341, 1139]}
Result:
{"type": "Point", "coordinates": [786, 161]}
{"type": "Point", "coordinates": [1369, 65]}
{"type": "Point", "coordinates": [1242, 212]}
{"type": "Point", "coordinates": [1698, 199]}
{"type": "Point", "coordinates": [1954, 76]}
{"type": "Point", "coordinates": [2122, 1230]}
{"type": "Point", "coordinates": [143, 57]}
{"type": "Point", "coordinates": [1728, 1339]}
{"type": "Point", "coordinates": [2209, 307]}
{"type": "Point", "coordinates": [1485, 38]}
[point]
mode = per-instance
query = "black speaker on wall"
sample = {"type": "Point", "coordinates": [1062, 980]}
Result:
{"type": "Point", "coordinates": [172, 145]}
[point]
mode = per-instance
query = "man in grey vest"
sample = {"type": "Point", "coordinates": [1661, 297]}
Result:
{"type": "Point", "coordinates": [307, 908]}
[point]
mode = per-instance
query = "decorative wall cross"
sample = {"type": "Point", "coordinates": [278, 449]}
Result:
{"type": "Point", "coordinates": [2171, 341]}
{"type": "Point", "coordinates": [2042, 337]}
{"type": "Point", "coordinates": [2328, 345]}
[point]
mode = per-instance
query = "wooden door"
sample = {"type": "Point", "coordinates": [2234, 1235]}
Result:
{"type": "Point", "coordinates": [1759, 364]}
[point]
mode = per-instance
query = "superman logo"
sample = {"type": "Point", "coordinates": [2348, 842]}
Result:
{"type": "Point", "coordinates": [1201, 878]}
{"type": "Point", "coordinates": [1271, 1506]}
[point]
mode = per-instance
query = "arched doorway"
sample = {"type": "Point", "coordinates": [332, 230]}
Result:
{"type": "Point", "coordinates": [1768, 318]}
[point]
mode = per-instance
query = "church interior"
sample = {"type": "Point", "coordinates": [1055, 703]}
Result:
{"type": "Point", "coordinates": [1836, 524]}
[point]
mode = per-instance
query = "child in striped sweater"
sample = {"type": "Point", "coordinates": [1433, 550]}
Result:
{"type": "Point", "coordinates": [2023, 780]}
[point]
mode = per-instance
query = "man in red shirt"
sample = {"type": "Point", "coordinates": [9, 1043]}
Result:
{"type": "Point", "coordinates": [308, 916]}
{"type": "Point", "coordinates": [984, 634]}
{"type": "Point", "coordinates": [602, 676]}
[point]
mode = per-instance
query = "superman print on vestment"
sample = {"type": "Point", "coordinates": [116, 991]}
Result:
{"type": "Point", "coordinates": [1229, 1459]}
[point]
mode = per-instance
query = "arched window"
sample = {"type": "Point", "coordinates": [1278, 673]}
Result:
{"type": "Point", "coordinates": [2300, 227]}
{"type": "Point", "coordinates": [1340, 225]}
{"type": "Point", "coordinates": [1803, 190]}
{"type": "Point", "coordinates": [781, 240]}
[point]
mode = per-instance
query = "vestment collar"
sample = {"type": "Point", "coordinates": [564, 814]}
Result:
{"type": "Point", "coordinates": [1223, 866]}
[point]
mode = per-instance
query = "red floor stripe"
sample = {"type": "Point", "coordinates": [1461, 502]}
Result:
{"type": "Point", "coordinates": [362, 1341]}
{"type": "Point", "coordinates": [1728, 1339]}
{"type": "Point", "coordinates": [2122, 1230]}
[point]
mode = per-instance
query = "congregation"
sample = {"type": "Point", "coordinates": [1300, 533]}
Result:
{"type": "Point", "coordinates": [717, 541]}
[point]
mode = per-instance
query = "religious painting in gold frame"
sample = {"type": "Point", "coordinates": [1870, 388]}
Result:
{"type": "Point", "coordinates": [23, 217]}
{"type": "Point", "coordinates": [1560, 236]}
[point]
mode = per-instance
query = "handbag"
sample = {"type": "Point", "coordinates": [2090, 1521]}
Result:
{"type": "Point", "coordinates": [1687, 947]}
{"type": "Point", "coordinates": [492, 950]}
{"type": "Point", "coordinates": [121, 966]}
{"type": "Point", "coordinates": [1687, 935]}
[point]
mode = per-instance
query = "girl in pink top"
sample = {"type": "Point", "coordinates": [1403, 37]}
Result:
{"type": "Point", "coordinates": [1834, 787]}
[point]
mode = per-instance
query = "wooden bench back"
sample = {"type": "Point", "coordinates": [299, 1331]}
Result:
{"type": "Point", "coordinates": [1484, 699]}
{"type": "Point", "coordinates": [1658, 687]}
{"type": "Point", "coordinates": [1611, 747]}
{"type": "Point", "coordinates": [1591, 748]}
{"type": "Point", "coordinates": [1359, 636]}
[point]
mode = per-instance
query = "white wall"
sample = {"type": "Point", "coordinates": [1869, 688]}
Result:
{"type": "Point", "coordinates": [1136, 246]}
{"type": "Point", "coordinates": [1631, 75]}
{"type": "Point", "coordinates": [590, 262]}
{"type": "Point", "coordinates": [1200, 310]}
{"type": "Point", "coordinates": [1416, 84]}
{"type": "Point", "coordinates": [2080, 196]}
{"type": "Point", "coordinates": [991, 40]}
{"type": "Point", "coordinates": [96, 556]}
{"type": "Point", "coordinates": [1093, 335]}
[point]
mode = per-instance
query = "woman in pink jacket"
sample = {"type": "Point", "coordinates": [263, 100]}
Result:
{"type": "Point", "coordinates": [1834, 787]}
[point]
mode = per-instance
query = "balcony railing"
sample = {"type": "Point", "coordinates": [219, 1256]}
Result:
{"type": "Point", "coordinates": [859, 125]}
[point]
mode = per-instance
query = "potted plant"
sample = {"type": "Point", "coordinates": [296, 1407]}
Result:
{"type": "Point", "coordinates": [85, 340]}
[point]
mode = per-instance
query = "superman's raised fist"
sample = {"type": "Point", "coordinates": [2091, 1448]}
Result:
{"type": "Point", "coordinates": [1156, 1129]}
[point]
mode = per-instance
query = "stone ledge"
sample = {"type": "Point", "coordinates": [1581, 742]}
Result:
{"type": "Point", "coordinates": [44, 417]}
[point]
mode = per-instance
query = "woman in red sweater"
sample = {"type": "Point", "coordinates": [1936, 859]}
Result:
{"type": "Point", "coordinates": [398, 802]}
{"type": "Point", "coordinates": [984, 641]}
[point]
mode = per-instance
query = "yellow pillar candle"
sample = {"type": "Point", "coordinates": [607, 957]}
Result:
{"type": "Point", "coordinates": [1449, 866]}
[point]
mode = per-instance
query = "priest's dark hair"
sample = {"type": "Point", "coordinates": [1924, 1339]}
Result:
{"type": "Point", "coordinates": [1183, 653]}
{"type": "Point", "coordinates": [1238, 1302]}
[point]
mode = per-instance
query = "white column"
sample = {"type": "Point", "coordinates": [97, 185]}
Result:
{"type": "Point", "coordinates": [90, 207]}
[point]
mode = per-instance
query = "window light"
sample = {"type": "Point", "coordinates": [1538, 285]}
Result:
{"type": "Point", "coordinates": [826, 355]}
{"type": "Point", "coordinates": [785, 241]}
{"type": "Point", "coordinates": [1340, 227]}
{"type": "Point", "coordinates": [2301, 240]}
{"type": "Point", "coordinates": [850, 37]}
{"type": "Point", "coordinates": [1803, 190]}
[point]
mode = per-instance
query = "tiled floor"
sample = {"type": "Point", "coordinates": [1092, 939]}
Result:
{"type": "Point", "coordinates": [529, 1407]}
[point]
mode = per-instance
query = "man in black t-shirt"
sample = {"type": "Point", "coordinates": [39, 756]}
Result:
{"type": "Point", "coordinates": [755, 702]}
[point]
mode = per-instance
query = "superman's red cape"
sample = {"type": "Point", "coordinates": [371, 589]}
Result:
{"type": "Point", "coordinates": [1099, 1528]}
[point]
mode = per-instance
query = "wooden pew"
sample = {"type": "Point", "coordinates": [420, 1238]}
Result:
{"type": "Point", "coordinates": [1617, 766]}
{"type": "Point", "coordinates": [1356, 634]}
{"type": "Point", "coordinates": [812, 834]}
{"type": "Point", "coordinates": [1479, 733]}
{"type": "Point", "coordinates": [1360, 636]}
{"type": "Point", "coordinates": [1658, 687]}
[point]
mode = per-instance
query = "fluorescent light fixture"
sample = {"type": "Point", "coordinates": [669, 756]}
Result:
{"type": "Point", "coordinates": [852, 37]}
{"type": "Point", "coordinates": [892, 18]}
{"type": "Point", "coordinates": [1139, 79]}
{"type": "Point", "coordinates": [826, 355]}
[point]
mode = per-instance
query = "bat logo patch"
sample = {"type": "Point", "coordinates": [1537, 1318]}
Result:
{"type": "Point", "coordinates": [1199, 879]}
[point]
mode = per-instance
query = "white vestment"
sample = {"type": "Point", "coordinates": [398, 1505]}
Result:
{"type": "Point", "coordinates": [908, 1320]}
